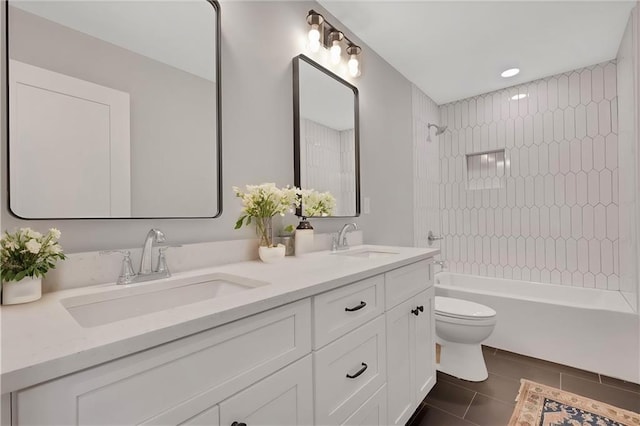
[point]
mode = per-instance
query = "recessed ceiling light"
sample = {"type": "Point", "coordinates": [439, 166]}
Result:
{"type": "Point", "coordinates": [519, 96]}
{"type": "Point", "coordinates": [510, 72]}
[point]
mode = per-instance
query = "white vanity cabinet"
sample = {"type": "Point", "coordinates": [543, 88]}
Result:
{"type": "Point", "coordinates": [359, 354]}
{"type": "Point", "coordinates": [177, 381]}
{"type": "Point", "coordinates": [410, 343]}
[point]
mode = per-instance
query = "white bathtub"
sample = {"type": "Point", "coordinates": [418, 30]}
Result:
{"type": "Point", "coordinates": [591, 329]}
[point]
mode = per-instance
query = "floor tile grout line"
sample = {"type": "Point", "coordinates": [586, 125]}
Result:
{"type": "Point", "coordinates": [547, 368]}
{"type": "Point", "coordinates": [560, 385]}
{"type": "Point", "coordinates": [448, 412]}
{"type": "Point", "coordinates": [469, 406]}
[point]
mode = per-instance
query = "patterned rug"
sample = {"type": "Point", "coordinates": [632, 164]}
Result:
{"type": "Point", "coordinates": [540, 405]}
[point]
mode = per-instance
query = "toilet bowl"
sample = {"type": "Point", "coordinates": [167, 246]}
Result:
{"type": "Point", "coordinates": [461, 326]}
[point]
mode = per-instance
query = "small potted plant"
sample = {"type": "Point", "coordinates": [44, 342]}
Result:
{"type": "Point", "coordinates": [259, 204]}
{"type": "Point", "coordinates": [25, 258]}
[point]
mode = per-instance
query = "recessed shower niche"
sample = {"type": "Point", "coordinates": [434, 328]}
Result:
{"type": "Point", "coordinates": [486, 170]}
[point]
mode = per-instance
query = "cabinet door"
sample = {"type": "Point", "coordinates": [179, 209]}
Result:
{"type": "Point", "coordinates": [400, 354]}
{"type": "Point", "coordinates": [282, 399]}
{"type": "Point", "coordinates": [410, 355]}
{"type": "Point", "coordinates": [424, 340]}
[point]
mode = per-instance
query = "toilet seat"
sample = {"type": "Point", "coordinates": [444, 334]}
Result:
{"type": "Point", "coordinates": [462, 309]}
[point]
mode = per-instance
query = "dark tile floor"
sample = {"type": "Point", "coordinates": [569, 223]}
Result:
{"type": "Point", "coordinates": [454, 402]}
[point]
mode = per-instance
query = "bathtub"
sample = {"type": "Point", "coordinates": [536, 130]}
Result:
{"type": "Point", "coordinates": [591, 329]}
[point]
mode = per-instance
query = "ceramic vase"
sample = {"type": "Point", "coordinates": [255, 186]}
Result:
{"type": "Point", "coordinates": [26, 290]}
{"type": "Point", "coordinates": [272, 254]}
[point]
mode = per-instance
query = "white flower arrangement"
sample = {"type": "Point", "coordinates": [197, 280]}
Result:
{"type": "Point", "coordinates": [317, 203]}
{"type": "Point", "coordinates": [262, 202]}
{"type": "Point", "coordinates": [28, 253]}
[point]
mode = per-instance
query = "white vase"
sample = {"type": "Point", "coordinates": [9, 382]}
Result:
{"type": "Point", "coordinates": [26, 290]}
{"type": "Point", "coordinates": [271, 254]}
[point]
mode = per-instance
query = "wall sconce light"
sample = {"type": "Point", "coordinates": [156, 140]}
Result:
{"type": "Point", "coordinates": [315, 20]}
{"type": "Point", "coordinates": [335, 37]}
{"type": "Point", "coordinates": [325, 34]}
{"type": "Point", "coordinates": [354, 64]}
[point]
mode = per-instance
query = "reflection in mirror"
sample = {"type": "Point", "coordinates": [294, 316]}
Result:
{"type": "Point", "coordinates": [326, 135]}
{"type": "Point", "coordinates": [113, 109]}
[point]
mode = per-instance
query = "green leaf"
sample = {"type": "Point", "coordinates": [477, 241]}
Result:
{"type": "Point", "coordinates": [239, 222]}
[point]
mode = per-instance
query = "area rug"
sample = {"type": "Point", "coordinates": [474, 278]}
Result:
{"type": "Point", "coordinates": [540, 405]}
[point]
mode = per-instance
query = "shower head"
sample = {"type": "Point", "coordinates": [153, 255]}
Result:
{"type": "Point", "coordinates": [439, 130]}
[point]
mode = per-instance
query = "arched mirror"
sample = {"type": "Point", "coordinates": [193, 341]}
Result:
{"type": "Point", "coordinates": [114, 109]}
{"type": "Point", "coordinates": [326, 135]}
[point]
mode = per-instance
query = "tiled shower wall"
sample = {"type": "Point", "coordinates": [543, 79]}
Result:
{"type": "Point", "coordinates": [555, 219]}
{"type": "Point", "coordinates": [426, 169]}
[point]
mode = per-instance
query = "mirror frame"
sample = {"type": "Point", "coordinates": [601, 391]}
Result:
{"type": "Point", "coordinates": [296, 127]}
{"type": "Point", "coordinates": [218, 67]}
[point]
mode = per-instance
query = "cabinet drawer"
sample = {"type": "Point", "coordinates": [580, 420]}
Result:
{"type": "Point", "coordinates": [341, 310]}
{"type": "Point", "coordinates": [372, 413]}
{"type": "Point", "coordinates": [282, 399]}
{"type": "Point", "coordinates": [173, 382]}
{"type": "Point", "coordinates": [361, 355]}
{"type": "Point", "coordinates": [405, 282]}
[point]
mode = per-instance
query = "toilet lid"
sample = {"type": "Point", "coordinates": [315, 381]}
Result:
{"type": "Point", "coordinates": [458, 308]}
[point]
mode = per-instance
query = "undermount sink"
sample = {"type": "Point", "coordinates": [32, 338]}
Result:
{"type": "Point", "coordinates": [124, 302]}
{"type": "Point", "coordinates": [368, 253]}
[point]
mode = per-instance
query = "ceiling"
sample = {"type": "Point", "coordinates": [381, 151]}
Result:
{"type": "Point", "coordinates": [454, 50]}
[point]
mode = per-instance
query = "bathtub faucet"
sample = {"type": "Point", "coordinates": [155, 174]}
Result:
{"type": "Point", "coordinates": [440, 263]}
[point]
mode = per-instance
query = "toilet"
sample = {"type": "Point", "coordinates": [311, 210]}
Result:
{"type": "Point", "coordinates": [461, 326]}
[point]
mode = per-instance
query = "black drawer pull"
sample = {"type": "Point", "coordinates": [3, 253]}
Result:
{"type": "Point", "coordinates": [417, 310]}
{"type": "Point", "coordinates": [356, 308]}
{"type": "Point", "coordinates": [238, 424]}
{"type": "Point", "coordinates": [362, 370]}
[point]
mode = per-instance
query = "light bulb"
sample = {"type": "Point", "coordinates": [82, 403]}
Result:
{"type": "Point", "coordinates": [314, 45]}
{"type": "Point", "coordinates": [353, 66]}
{"type": "Point", "coordinates": [335, 51]}
{"type": "Point", "coordinates": [314, 33]}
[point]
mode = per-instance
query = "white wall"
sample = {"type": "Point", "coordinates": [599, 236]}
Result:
{"type": "Point", "coordinates": [259, 40]}
{"type": "Point", "coordinates": [556, 218]}
{"type": "Point", "coordinates": [628, 159]}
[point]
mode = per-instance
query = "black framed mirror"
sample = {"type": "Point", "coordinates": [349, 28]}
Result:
{"type": "Point", "coordinates": [113, 109]}
{"type": "Point", "coordinates": [326, 135]}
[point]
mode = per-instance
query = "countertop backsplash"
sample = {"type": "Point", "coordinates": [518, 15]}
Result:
{"type": "Point", "coordinates": [92, 268]}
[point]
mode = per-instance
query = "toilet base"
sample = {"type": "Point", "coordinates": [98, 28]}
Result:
{"type": "Point", "coordinates": [464, 361]}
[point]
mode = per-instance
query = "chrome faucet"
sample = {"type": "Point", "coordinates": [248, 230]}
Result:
{"type": "Point", "coordinates": [342, 236]}
{"type": "Point", "coordinates": [146, 263]}
{"type": "Point", "coordinates": [440, 263]}
{"type": "Point", "coordinates": [147, 271]}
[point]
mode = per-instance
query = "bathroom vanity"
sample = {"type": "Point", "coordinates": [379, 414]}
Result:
{"type": "Point", "coordinates": [325, 339]}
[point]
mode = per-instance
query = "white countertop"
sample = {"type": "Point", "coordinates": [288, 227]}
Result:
{"type": "Point", "coordinates": [42, 341]}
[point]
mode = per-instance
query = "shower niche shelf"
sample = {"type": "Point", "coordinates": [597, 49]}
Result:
{"type": "Point", "coordinates": [486, 170]}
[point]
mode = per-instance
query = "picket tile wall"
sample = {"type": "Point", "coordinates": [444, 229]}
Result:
{"type": "Point", "coordinates": [426, 169]}
{"type": "Point", "coordinates": [330, 163]}
{"type": "Point", "coordinates": [556, 218]}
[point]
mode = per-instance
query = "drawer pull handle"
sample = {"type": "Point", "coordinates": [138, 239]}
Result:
{"type": "Point", "coordinates": [238, 424]}
{"type": "Point", "coordinates": [362, 370]}
{"type": "Point", "coordinates": [417, 310]}
{"type": "Point", "coordinates": [356, 308]}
